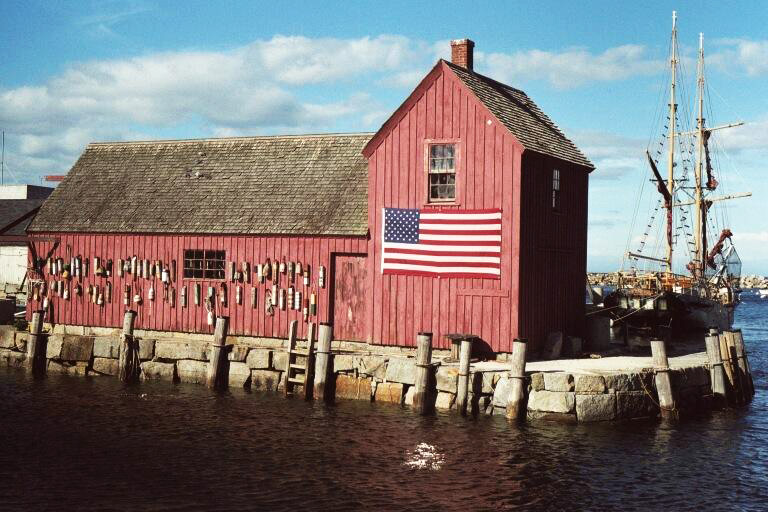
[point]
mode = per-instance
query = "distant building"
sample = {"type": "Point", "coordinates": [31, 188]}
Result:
{"type": "Point", "coordinates": [465, 213]}
{"type": "Point", "coordinates": [18, 206]}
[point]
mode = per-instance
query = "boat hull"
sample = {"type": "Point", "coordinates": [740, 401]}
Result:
{"type": "Point", "coordinates": [670, 311]}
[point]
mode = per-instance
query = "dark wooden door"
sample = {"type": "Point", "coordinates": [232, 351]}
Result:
{"type": "Point", "coordinates": [349, 313]}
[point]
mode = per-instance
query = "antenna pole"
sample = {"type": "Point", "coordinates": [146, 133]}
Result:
{"type": "Point", "coordinates": [671, 162]}
{"type": "Point", "coordinates": [701, 217]}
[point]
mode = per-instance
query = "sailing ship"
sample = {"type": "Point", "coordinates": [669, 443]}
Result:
{"type": "Point", "coordinates": [657, 293]}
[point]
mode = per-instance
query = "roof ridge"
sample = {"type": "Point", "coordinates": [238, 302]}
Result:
{"type": "Point", "coordinates": [485, 77]}
{"type": "Point", "coordinates": [225, 139]}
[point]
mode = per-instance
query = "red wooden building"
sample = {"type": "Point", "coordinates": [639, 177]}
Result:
{"type": "Point", "coordinates": [178, 229]}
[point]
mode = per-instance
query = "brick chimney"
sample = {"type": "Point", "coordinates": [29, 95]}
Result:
{"type": "Point", "coordinates": [461, 52]}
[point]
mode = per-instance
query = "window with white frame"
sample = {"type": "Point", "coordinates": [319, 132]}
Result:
{"type": "Point", "coordinates": [442, 173]}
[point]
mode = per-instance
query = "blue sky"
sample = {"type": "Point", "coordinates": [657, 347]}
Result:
{"type": "Point", "coordinates": [74, 72]}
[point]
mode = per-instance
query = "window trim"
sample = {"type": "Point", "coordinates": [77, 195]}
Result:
{"type": "Point", "coordinates": [204, 260]}
{"type": "Point", "coordinates": [457, 169]}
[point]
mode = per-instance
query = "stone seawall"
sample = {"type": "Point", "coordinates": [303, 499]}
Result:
{"type": "Point", "coordinates": [385, 376]}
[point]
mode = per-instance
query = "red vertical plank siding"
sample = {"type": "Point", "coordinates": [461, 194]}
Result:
{"type": "Point", "coordinates": [403, 306]}
{"type": "Point", "coordinates": [158, 314]}
{"type": "Point", "coordinates": [553, 261]}
{"type": "Point", "coordinates": [543, 255]}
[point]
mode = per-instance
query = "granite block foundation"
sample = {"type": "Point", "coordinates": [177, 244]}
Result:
{"type": "Point", "coordinates": [366, 372]}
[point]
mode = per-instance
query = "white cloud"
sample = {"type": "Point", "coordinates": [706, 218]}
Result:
{"type": "Point", "coordinates": [741, 56]}
{"type": "Point", "coordinates": [751, 135]}
{"type": "Point", "coordinates": [571, 67]}
{"type": "Point", "coordinates": [251, 89]}
{"type": "Point", "coordinates": [614, 156]}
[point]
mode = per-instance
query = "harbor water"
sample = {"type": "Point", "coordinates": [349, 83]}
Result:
{"type": "Point", "coordinates": [69, 443]}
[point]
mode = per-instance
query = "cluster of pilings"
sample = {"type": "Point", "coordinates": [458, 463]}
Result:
{"type": "Point", "coordinates": [730, 373]}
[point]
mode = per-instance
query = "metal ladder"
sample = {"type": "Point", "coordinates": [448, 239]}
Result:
{"type": "Point", "coordinates": [300, 373]}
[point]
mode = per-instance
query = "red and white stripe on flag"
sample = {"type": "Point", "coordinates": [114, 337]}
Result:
{"type": "Point", "coordinates": [456, 243]}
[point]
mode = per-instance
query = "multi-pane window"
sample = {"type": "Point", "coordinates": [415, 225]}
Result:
{"type": "Point", "coordinates": [555, 189]}
{"type": "Point", "coordinates": [200, 264]}
{"type": "Point", "coordinates": [442, 172]}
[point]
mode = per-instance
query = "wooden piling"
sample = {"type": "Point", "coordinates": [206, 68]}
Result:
{"type": "Point", "coordinates": [421, 398]}
{"type": "Point", "coordinates": [36, 345]}
{"type": "Point", "coordinates": [743, 362]}
{"type": "Point", "coordinates": [731, 366]}
{"type": "Point", "coordinates": [216, 371]}
{"type": "Point", "coordinates": [322, 363]}
{"type": "Point", "coordinates": [716, 370]}
{"type": "Point", "coordinates": [725, 355]}
{"type": "Point", "coordinates": [465, 353]}
{"type": "Point", "coordinates": [663, 380]}
{"type": "Point", "coordinates": [515, 404]}
{"type": "Point", "coordinates": [128, 362]}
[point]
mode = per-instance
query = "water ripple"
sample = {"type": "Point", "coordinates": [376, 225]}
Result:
{"type": "Point", "coordinates": [95, 444]}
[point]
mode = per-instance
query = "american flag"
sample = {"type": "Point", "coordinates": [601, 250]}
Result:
{"type": "Point", "coordinates": [456, 243]}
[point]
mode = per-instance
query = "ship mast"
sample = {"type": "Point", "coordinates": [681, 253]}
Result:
{"type": "Point", "coordinates": [671, 138]}
{"type": "Point", "coordinates": [701, 217]}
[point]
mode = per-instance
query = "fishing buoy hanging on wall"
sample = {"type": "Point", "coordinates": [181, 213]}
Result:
{"type": "Point", "coordinates": [321, 277]}
{"type": "Point", "coordinates": [172, 296]}
{"type": "Point", "coordinates": [197, 294]}
{"type": "Point", "coordinates": [223, 293]}
{"type": "Point", "coordinates": [313, 304]}
{"type": "Point", "coordinates": [297, 301]}
{"type": "Point", "coordinates": [281, 299]}
{"type": "Point", "coordinates": [239, 295]}
{"type": "Point", "coordinates": [306, 276]}
{"type": "Point", "coordinates": [254, 296]}
{"type": "Point", "coordinates": [184, 296]}
{"type": "Point", "coordinates": [108, 293]}
{"type": "Point", "coordinates": [120, 268]}
{"type": "Point", "coordinates": [246, 272]}
{"type": "Point", "coordinates": [165, 276]}
{"type": "Point", "coordinates": [127, 295]}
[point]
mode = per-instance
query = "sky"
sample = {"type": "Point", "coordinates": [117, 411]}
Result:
{"type": "Point", "coordinates": [76, 72]}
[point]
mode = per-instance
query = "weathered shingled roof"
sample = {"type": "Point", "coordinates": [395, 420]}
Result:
{"type": "Point", "coordinates": [294, 185]}
{"type": "Point", "coordinates": [522, 117]}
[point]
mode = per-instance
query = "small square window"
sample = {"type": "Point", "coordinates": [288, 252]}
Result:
{"type": "Point", "coordinates": [204, 264]}
{"type": "Point", "coordinates": [442, 172]}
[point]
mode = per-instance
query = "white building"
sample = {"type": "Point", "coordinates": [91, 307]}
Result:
{"type": "Point", "coordinates": [18, 206]}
